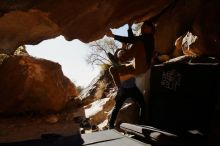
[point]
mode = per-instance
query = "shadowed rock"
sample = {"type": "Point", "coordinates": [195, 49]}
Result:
{"type": "Point", "coordinates": [33, 85]}
{"type": "Point", "coordinates": [89, 20]}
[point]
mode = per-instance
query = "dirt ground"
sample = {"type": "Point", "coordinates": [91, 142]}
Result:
{"type": "Point", "coordinates": [26, 127]}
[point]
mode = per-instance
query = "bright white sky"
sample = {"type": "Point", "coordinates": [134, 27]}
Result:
{"type": "Point", "coordinates": [71, 56]}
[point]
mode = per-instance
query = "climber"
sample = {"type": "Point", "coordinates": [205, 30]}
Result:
{"type": "Point", "coordinates": [127, 86]}
{"type": "Point", "coordinates": [142, 51]}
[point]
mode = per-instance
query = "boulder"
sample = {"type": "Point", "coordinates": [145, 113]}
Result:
{"type": "Point", "coordinates": [100, 87]}
{"type": "Point", "coordinates": [33, 85]}
{"type": "Point", "coordinates": [184, 94]}
{"type": "Point", "coordinates": [129, 113]}
{"type": "Point", "coordinates": [99, 110]}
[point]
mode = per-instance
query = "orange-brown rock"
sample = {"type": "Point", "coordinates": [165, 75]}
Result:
{"type": "Point", "coordinates": [129, 113]}
{"type": "Point", "coordinates": [99, 110]}
{"type": "Point", "coordinates": [33, 85]}
{"type": "Point", "coordinates": [197, 16]}
{"type": "Point", "coordinates": [30, 21]}
{"type": "Point", "coordinates": [97, 89]}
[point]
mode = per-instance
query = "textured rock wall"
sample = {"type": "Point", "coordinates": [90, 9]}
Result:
{"type": "Point", "coordinates": [197, 16]}
{"type": "Point", "coordinates": [33, 85]}
{"type": "Point", "coordinates": [31, 21]}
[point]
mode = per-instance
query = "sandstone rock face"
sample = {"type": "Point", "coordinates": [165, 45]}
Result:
{"type": "Point", "coordinates": [33, 85]}
{"type": "Point", "coordinates": [99, 88]}
{"type": "Point", "coordinates": [98, 99]}
{"type": "Point", "coordinates": [99, 110]}
{"type": "Point", "coordinates": [196, 16]}
{"type": "Point", "coordinates": [129, 113]}
{"type": "Point", "coordinates": [89, 20]}
{"type": "Point", "coordinates": [84, 20]}
{"type": "Point", "coordinates": [27, 27]}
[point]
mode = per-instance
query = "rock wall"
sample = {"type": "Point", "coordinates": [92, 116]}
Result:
{"type": "Point", "coordinates": [97, 89]}
{"type": "Point", "coordinates": [33, 85]}
{"type": "Point", "coordinates": [89, 20]}
{"type": "Point", "coordinates": [84, 20]}
{"type": "Point", "coordinates": [198, 16]}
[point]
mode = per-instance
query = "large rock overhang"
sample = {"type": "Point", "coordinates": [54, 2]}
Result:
{"type": "Point", "coordinates": [32, 21]}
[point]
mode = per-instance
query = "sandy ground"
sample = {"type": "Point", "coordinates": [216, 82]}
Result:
{"type": "Point", "coordinates": [19, 128]}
